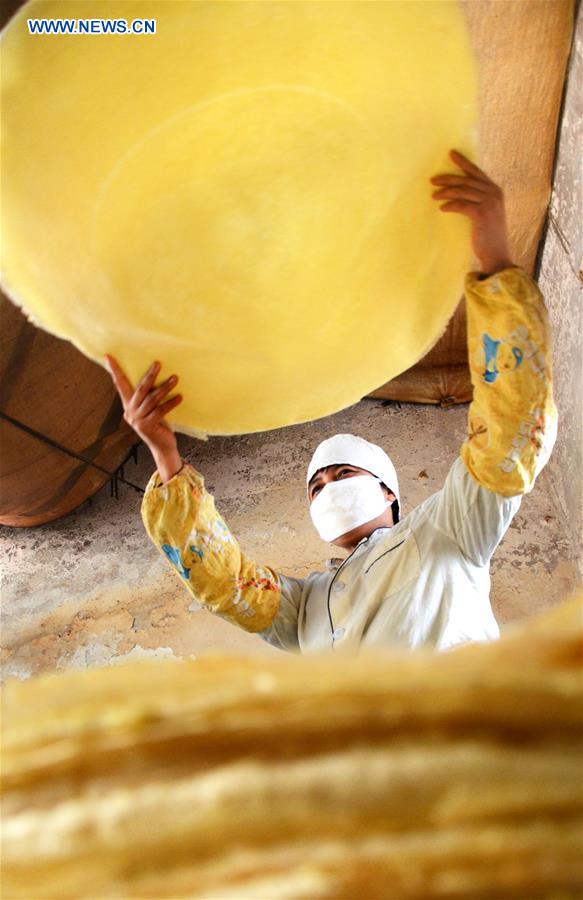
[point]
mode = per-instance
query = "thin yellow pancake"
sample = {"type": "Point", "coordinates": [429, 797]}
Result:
{"type": "Point", "coordinates": [400, 775]}
{"type": "Point", "coordinates": [243, 195]}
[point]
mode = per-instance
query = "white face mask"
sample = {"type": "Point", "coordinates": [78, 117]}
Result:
{"type": "Point", "coordinates": [343, 505]}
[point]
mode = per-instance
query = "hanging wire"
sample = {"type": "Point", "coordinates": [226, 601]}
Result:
{"type": "Point", "coordinates": [115, 477]}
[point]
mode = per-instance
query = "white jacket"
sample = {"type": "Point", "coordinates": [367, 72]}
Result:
{"type": "Point", "coordinates": [424, 582]}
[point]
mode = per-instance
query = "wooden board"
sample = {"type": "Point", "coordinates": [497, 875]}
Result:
{"type": "Point", "coordinates": [49, 392]}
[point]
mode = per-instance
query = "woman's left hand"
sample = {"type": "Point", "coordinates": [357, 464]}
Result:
{"type": "Point", "coordinates": [476, 196]}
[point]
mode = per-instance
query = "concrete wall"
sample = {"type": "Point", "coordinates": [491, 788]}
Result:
{"type": "Point", "coordinates": [561, 281]}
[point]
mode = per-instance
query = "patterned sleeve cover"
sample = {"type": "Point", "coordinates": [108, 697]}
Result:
{"type": "Point", "coordinates": [181, 519]}
{"type": "Point", "coordinates": [512, 421]}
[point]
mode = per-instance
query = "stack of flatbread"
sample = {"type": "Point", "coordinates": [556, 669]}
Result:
{"type": "Point", "coordinates": [390, 776]}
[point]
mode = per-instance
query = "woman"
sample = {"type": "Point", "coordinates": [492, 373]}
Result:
{"type": "Point", "coordinates": [418, 581]}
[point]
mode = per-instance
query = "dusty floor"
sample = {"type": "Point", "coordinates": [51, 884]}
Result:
{"type": "Point", "coordinates": [91, 588]}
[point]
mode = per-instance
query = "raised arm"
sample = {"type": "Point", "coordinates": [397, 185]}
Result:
{"type": "Point", "coordinates": [512, 420]}
{"type": "Point", "coordinates": [180, 518]}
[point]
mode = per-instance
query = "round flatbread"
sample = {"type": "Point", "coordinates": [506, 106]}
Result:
{"type": "Point", "coordinates": [243, 194]}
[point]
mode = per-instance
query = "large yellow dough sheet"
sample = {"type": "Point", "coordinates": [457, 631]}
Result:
{"type": "Point", "coordinates": [243, 195]}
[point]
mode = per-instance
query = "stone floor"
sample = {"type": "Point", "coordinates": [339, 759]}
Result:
{"type": "Point", "coordinates": [91, 589]}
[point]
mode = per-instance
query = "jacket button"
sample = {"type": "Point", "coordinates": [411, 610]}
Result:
{"type": "Point", "coordinates": [338, 586]}
{"type": "Point", "coordinates": [338, 633]}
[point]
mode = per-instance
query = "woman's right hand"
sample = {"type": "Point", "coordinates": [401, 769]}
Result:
{"type": "Point", "coordinates": [143, 410]}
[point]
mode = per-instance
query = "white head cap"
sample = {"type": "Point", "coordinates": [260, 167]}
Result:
{"type": "Point", "coordinates": [348, 448]}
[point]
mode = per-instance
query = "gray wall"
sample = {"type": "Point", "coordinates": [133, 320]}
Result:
{"type": "Point", "coordinates": [561, 281]}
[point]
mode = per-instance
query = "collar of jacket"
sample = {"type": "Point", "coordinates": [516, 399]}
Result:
{"type": "Point", "coordinates": [334, 562]}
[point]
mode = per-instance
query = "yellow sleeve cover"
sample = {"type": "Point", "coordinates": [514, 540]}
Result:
{"type": "Point", "coordinates": [512, 420]}
{"type": "Point", "coordinates": [181, 520]}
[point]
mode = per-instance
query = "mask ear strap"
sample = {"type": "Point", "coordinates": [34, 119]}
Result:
{"type": "Point", "coordinates": [394, 504]}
